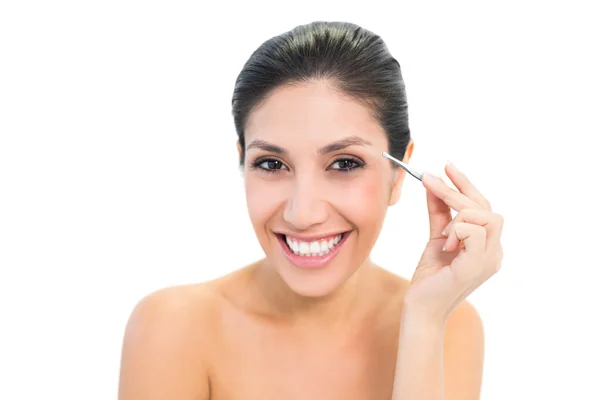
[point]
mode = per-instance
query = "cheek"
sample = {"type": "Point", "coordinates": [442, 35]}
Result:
{"type": "Point", "coordinates": [363, 200]}
{"type": "Point", "coordinates": [263, 198]}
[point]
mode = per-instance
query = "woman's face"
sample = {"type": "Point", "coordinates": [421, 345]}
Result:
{"type": "Point", "coordinates": [317, 187]}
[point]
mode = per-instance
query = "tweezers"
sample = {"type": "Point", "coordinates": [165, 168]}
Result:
{"type": "Point", "coordinates": [413, 172]}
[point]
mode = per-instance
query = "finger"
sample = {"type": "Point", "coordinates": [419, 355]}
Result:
{"type": "Point", "coordinates": [464, 185]}
{"type": "Point", "coordinates": [491, 222]}
{"type": "Point", "coordinates": [473, 237]}
{"type": "Point", "coordinates": [439, 215]}
{"type": "Point", "coordinates": [449, 196]}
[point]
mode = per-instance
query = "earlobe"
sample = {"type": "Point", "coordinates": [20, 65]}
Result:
{"type": "Point", "coordinates": [409, 150]}
{"type": "Point", "coordinates": [240, 154]}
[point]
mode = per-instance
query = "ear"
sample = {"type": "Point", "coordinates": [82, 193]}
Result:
{"type": "Point", "coordinates": [239, 149]}
{"type": "Point", "coordinates": [400, 174]}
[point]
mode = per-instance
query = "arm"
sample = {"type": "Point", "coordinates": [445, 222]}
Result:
{"type": "Point", "coordinates": [439, 360]}
{"type": "Point", "coordinates": [162, 357]}
{"type": "Point", "coordinates": [440, 347]}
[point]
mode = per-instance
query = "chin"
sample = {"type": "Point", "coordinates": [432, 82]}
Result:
{"type": "Point", "coordinates": [316, 276]}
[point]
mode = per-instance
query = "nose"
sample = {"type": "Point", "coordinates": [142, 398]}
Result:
{"type": "Point", "coordinates": [306, 206]}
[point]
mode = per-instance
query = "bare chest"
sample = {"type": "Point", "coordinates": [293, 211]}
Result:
{"type": "Point", "coordinates": [259, 362]}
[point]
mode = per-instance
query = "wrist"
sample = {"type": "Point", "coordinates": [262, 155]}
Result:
{"type": "Point", "coordinates": [422, 315]}
{"type": "Point", "coordinates": [420, 358]}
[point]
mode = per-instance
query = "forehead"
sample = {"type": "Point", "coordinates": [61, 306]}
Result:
{"type": "Point", "coordinates": [314, 113]}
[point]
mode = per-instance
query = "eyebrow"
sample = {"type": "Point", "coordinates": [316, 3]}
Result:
{"type": "Point", "coordinates": [335, 146]}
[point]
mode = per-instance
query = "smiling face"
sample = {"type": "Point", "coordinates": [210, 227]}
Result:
{"type": "Point", "coordinates": [317, 187]}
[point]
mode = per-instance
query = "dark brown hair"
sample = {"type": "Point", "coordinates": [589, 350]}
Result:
{"type": "Point", "coordinates": [354, 59]}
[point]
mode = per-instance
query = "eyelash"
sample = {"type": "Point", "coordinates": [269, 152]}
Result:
{"type": "Point", "coordinates": [357, 164]}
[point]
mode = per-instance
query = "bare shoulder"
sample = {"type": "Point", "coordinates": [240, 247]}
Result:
{"type": "Point", "coordinates": [464, 351]}
{"type": "Point", "coordinates": [464, 319]}
{"type": "Point", "coordinates": [166, 348]}
{"type": "Point", "coordinates": [184, 310]}
{"type": "Point", "coordinates": [178, 299]}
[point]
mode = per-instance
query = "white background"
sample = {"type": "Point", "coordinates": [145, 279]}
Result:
{"type": "Point", "coordinates": [118, 171]}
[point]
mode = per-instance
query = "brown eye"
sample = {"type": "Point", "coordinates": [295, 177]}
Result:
{"type": "Point", "coordinates": [346, 164]}
{"type": "Point", "coordinates": [272, 164]}
{"type": "Point", "coordinates": [269, 165]}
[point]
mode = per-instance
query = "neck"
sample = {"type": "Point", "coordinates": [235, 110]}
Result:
{"type": "Point", "coordinates": [334, 309]}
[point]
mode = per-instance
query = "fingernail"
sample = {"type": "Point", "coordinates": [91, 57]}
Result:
{"type": "Point", "coordinates": [433, 177]}
{"type": "Point", "coordinates": [451, 165]}
{"type": "Point", "coordinates": [445, 231]}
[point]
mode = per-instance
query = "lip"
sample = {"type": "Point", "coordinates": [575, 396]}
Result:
{"type": "Point", "coordinates": [313, 237]}
{"type": "Point", "coordinates": [311, 261]}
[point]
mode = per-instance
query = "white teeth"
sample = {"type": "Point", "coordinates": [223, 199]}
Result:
{"type": "Point", "coordinates": [315, 248]}
{"type": "Point", "coordinates": [304, 248]}
{"type": "Point", "coordinates": [324, 247]}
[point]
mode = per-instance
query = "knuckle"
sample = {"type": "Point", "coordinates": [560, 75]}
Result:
{"type": "Point", "coordinates": [479, 230]}
{"type": "Point", "coordinates": [498, 266]}
{"type": "Point", "coordinates": [486, 204]}
{"type": "Point", "coordinates": [459, 226]}
{"type": "Point", "coordinates": [500, 220]}
{"type": "Point", "coordinates": [446, 195]}
{"type": "Point", "coordinates": [464, 229]}
{"type": "Point", "coordinates": [496, 260]}
{"type": "Point", "coordinates": [476, 215]}
{"type": "Point", "coordinates": [468, 212]}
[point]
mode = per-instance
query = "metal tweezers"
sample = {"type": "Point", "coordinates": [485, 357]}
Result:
{"type": "Point", "coordinates": [404, 166]}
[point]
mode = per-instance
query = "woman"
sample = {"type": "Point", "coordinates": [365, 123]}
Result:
{"type": "Point", "coordinates": [314, 108]}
